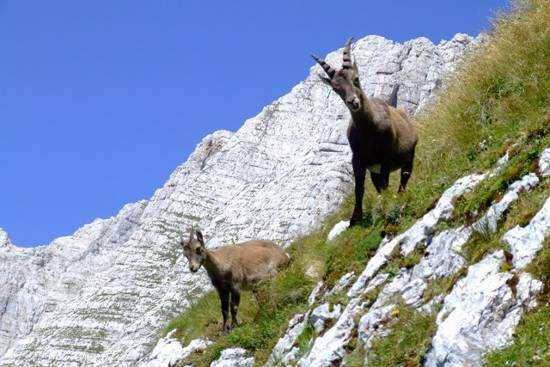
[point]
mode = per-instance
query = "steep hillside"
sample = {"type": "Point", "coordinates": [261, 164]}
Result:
{"type": "Point", "coordinates": [447, 274]}
{"type": "Point", "coordinates": [103, 295]}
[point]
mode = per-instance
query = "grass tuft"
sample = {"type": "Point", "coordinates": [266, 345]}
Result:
{"type": "Point", "coordinates": [531, 347]}
{"type": "Point", "coordinates": [407, 342]}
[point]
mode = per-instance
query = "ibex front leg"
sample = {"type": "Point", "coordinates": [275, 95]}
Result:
{"type": "Point", "coordinates": [235, 300]}
{"type": "Point", "coordinates": [224, 301]}
{"type": "Point", "coordinates": [406, 171]}
{"type": "Point", "coordinates": [359, 171]}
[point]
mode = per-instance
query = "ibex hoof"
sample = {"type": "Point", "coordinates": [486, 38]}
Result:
{"type": "Point", "coordinates": [226, 328]}
{"type": "Point", "coordinates": [354, 222]}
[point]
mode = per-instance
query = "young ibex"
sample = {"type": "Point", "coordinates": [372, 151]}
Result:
{"type": "Point", "coordinates": [381, 137]}
{"type": "Point", "coordinates": [233, 268]}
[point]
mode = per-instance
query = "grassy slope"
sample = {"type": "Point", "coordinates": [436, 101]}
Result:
{"type": "Point", "coordinates": [497, 100]}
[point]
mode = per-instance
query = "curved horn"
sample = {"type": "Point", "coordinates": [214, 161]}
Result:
{"type": "Point", "coordinates": [346, 56]}
{"type": "Point", "coordinates": [191, 234]}
{"type": "Point", "coordinates": [326, 67]}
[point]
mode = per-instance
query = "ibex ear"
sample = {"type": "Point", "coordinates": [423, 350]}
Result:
{"type": "Point", "coordinates": [200, 238]}
{"type": "Point", "coordinates": [325, 80]}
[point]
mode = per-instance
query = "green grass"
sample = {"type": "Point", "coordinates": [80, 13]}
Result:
{"type": "Point", "coordinates": [397, 261]}
{"type": "Point", "coordinates": [337, 298]}
{"type": "Point", "coordinates": [531, 346]}
{"type": "Point", "coordinates": [303, 342]}
{"type": "Point", "coordinates": [350, 252]}
{"type": "Point", "coordinates": [442, 286]}
{"type": "Point", "coordinates": [540, 266]}
{"type": "Point", "coordinates": [480, 244]}
{"type": "Point", "coordinates": [409, 338]}
{"type": "Point", "coordinates": [496, 101]}
{"type": "Point", "coordinates": [356, 355]}
{"type": "Point", "coordinates": [472, 205]}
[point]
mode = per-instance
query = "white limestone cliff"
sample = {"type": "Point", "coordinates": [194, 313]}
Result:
{"type": "Point", "coordinates": [101, 296]}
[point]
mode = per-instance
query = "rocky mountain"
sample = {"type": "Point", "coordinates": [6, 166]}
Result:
{"type": "Point", "coordinates": [101, 296]}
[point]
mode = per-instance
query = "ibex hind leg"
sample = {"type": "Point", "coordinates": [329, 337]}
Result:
{"type": "Point", "coordinates": [235, 301]}
{"type": "Point", "coordinates": [224, 301]}
{"type": "Point", "coordinates": [406, 171]}
{"type": "Point", "coordinates": [380, 180]}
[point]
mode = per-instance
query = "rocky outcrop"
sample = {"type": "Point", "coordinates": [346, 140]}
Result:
{"type": "Point", "coordinates": [544, 163]}
{"type": "Point", "coordinates": [234, 357]}
{"type": "Point", "coordinates": [525, 242]}
{"type": "Point", "coordinates": [479, 314]}
{"type": "Point", "coordinates": [101, 296]}
{"type": "Point", "coordinates": [169, 351]}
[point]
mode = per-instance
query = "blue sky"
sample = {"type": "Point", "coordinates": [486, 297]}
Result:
{"type": "Point", "coordinates": [100, 100]}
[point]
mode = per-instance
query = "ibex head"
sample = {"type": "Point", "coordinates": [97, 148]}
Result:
{"type": "Point", "coordinates": [345, 82]}
{"type": "Point", "coordinates": [194, 250]}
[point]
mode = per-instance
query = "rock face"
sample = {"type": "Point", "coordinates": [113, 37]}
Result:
{"type": "Point", "coordinates": [480, 314]}
{"type": "Point", "coordinates": [101, 296]}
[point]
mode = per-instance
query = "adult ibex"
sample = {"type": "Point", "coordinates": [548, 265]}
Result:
{"type": "Point", "coordinates": [233, 268]}
{"type": "Point", "coordinates": [381, 137]}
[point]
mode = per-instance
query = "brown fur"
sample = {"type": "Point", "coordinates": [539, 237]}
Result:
{"type": "Point", "coordinates": [233, 268]}
{"type": "Point", "coordinates": [381, 137]}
